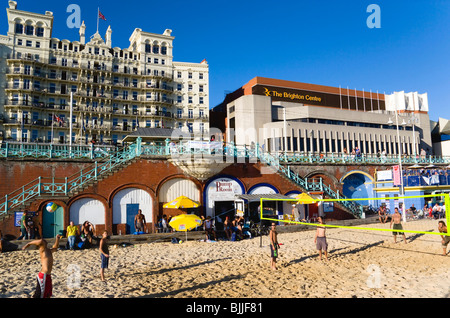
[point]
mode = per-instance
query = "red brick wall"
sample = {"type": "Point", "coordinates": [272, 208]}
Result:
{"type": "Point", "coordinates": [145, 174]}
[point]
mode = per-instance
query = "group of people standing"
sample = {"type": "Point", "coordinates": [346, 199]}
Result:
{"type": "Point", "coordinates": [30, 228]}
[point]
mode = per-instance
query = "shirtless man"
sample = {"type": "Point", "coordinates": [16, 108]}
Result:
{"type": "Point", "coordinates": [321, 240]}
{"type": "Point", "coordinates": [139, 222]}
{"type": "Point", "coordinates": [397, 220]}
{"type": "Point", "coordinates": [44, 279]}
{"type": "Point", "coordinates": [273, 246]}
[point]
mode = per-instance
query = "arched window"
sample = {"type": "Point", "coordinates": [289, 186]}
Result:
{"type": "Point", "coordinates": [29, 29]}
{"type": "Point", "coordinates": [18, 28]}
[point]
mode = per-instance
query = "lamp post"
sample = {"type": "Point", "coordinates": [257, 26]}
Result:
{"type": "Point", "coordinates": [402, 189]}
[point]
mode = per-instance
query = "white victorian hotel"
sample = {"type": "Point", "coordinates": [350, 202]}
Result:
{"type": "Point", "coordinates": [114, 90]}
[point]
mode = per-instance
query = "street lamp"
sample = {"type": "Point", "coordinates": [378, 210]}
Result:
{"type": "Point", "coordinates": [402, 189]}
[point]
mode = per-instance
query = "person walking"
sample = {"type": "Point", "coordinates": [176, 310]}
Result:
{"type": "Point", "coordinates": [397, 221]}
{"type": "Point", "coordinates": [44, 287]}
{"type": "Point", "coordinates": [139, 222]}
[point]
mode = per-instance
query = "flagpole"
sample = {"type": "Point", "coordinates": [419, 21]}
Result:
{"type": "Point", "coordinates": [70, 123]}
{"type": "Point", "coordinates": [53, 117]}
{"type": "Point", "coordinates": [98, 15]}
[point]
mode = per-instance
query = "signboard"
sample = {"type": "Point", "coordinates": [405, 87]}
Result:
{"type": "Point", "coordinates": [384, 175]}
{"type": "Point", "coordinates": [319, 98]}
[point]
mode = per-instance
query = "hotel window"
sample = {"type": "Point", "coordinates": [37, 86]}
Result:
{"type": "Point", "coordinates": [148, 48]}
{"type": "Point", "coordinates": [190, 100]}
{"type": "Point", "coordinates": [164, 50]}
{"type": "Point", "coordinates": [163, 62]}
{"type": "Point", "coordinates": [38, 44]}
{"type": "Point", "coordinates": [14, 134]}
{"type": "Point", "coordinates": [179, 99]}
{"type": "Point", "coordinates": [29, 43]}
{"type": "Point", "coordinates": [190, 113]}
{"type": "Point", "coordinates": [200, 88]}
{"type": "Point", "coordinates": [178, 74]}
{"type": "Point", "coordinates": [200, 100]}
{"type": "Point", "coordinates": [39, 31]}
{"type": "Point", "coordinates": [155, 49]}
{"type": "Point", "coordinates": [179, 112]}
{"type": "Point", "coordinates": [190, 75]}
{"type": "Point", "coordinates": [148, 123]}
{"type": "Point", "coordinates": [27, 70]}
{"type": "Point", "coordinates": [200, 76]}
{"type": "Point", "coordinates": [190, 88]}
{"type": "Point", "coordinates": [190, 127]}
{"type": "Point", "coordinates": [179, 87]}
{"type": "Point", "coordinates": [19, 41]}
{"type": "Point", "coordinates": [156, 61]}
{"type": "Point", "coordinates": [201, 113]}
{"type": "Point", "coordinates": [26, 84]}
{"type": "Point", "coordinates": [16, 83]}
{"type": "Point", "coordinates": [19, 28]}
{"type": "Point", "coordinates": [29, 30]}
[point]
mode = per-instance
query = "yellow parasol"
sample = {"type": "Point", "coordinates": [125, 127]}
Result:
{"type": "Point", "coordinates": [305, 198]}
{"type": "Point", "coordinates": [182, 202]}
{"type": "Point", "coordinates": [185, 222]}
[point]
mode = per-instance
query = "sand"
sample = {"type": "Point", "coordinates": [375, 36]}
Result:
{"type": "Point", "coordinates": [361, 264]}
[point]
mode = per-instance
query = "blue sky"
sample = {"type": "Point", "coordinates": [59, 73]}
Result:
{"type": "Point", "coordinates": [320, 42]}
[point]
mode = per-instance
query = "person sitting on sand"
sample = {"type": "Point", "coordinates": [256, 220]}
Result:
{"type": "Point", "coordinates": [397, 220]}
{"type": "Point", "coordinates": [87, 233]}
{"type": "Point", "coordinates": [442, 227]}
{"type": "Point", "coordinates": [44, 286]}
{"type": "Point", "coordinates": [382, 215]}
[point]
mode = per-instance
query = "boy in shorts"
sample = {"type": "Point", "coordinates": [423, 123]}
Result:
{"type": "Point", "coordinates": [104, 254]}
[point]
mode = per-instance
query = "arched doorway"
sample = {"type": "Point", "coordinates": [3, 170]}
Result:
{"type": "Point", "coordinates": [126, 204]}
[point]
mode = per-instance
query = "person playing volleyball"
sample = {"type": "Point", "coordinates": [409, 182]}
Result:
{"type": "Point", "coordinates": [397, 220]}
{"type": "Point", "coordinates": [44, 279]}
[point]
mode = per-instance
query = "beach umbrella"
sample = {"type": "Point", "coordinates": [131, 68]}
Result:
{"type": "Point", "coordinates": [185, 222]}
{"type": "Point", "coordinates": [182, 202]}
{"type": "Point", "coordinates": [305, 198]}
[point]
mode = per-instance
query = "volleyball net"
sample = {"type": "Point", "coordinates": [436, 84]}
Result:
{"type": "Point", "coordinates": [305, 210]}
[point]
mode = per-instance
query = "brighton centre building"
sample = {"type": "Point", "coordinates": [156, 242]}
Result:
{"type": "Point", "coordinates": [296, 117]}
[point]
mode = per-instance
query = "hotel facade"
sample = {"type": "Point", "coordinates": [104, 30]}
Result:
{"type": "Point", "coordinates": [113, 90]}
{"type": "Point", "coordinates": [305, 118]}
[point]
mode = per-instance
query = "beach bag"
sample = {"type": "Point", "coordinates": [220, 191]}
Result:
{"type": "Point", "coordinates": [175, 240]}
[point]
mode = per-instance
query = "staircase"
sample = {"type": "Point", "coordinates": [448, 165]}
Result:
{"type": "Point", "coordinates": [270, 160]}
{"type": "Point", "coordinates": [63, 188]}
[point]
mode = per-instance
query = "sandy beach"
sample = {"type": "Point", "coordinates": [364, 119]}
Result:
{"type": "Point", "coordinates": [362, 264]}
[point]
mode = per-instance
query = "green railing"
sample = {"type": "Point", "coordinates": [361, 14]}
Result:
{"type": "Point", "coordinates": [65, 186]}
{"type": "Point", "coordinates": [317, 158]}
{"type": "Point", "coordinates": [54, 151]}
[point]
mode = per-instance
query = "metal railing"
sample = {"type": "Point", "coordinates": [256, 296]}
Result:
{"type": "Point", "coordinates": [65, 186]}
